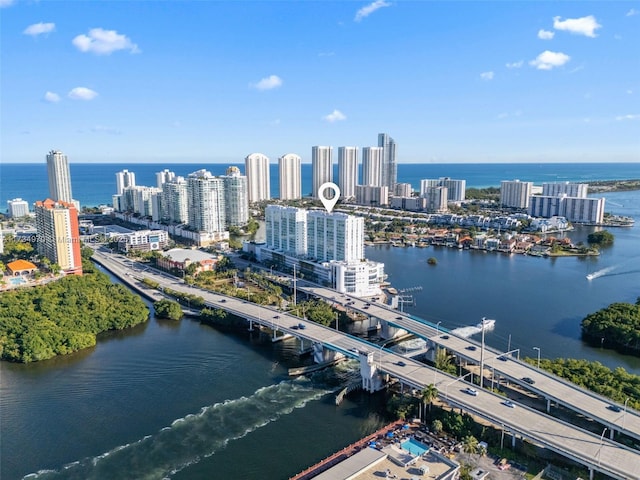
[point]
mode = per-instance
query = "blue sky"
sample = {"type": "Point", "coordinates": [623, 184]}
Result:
{"type": "Point", "coordinates": [212, 81]}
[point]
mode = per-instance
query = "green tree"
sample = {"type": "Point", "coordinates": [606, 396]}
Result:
{"type": "Point", "coordinates": [470, 446]}
{"type": "Point", "coordinates": [437, 426]}
{"type": "Point", "coordinates": [428, 395]}
{"type": "Point", "coordinates": [603, 237]}
{"type": "Point", "coordinates": [168, 309]}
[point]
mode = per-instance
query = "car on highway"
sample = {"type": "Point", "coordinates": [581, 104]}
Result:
{"type": "Point", "coordinates": [398, 318]}
{"type": "Point", "coordinates": [528, 380]}
{"type": "Point", "coordinates": [509, 403]}
{"type": "Point", "coordinates": [400, 363]}
{"type": "Point", "coordinates": [471, 391]}
{"type": "Point", "coordinates": [444, 337]}
{"type": "Point", "coordinates": [471, 347]}
{"type": "Point", "coordinates": [302, 326]}
{"type": "Point", "coordinates": [503, 358]}
{"type": "Point", "coordinates": [614, 408]}
{"type": "Point", "coordinates": [223, 300]}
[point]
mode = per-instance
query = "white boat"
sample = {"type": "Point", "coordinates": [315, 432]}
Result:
{"type": "Point", "coordinates": [591, 276]}
{"type": "Point", "coordinates": [486, 324]}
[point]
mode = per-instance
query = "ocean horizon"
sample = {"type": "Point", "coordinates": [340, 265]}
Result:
{"type": "Point", "coordinates": [94, 184]}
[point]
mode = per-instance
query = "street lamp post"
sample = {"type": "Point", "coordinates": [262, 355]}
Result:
{"type": "Point", "coordinates": [538, 350]}
{"type": "Point", "coordinates": [601, 443]}
{"type": "Point", "coordinates": [624, 414]}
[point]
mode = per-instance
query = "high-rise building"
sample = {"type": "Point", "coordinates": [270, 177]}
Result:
{"type": "Point", "coordinates": [290, 176]}
{"type": "Point", "coordinates": [372, 196]}
{"type": "Point", "coordinates": [347, 171]}
{"type": "Point", "coordinates": [286, 229]}
{"type": "Point", "coordinates": [436, 199]}
{"type": "Point", "coordinates": [206, 202]}
{"type": "Point", "coordinates": [164, 176]}
{"type": "Point", "coordinates": [322, 166]}
{"type": "Point", "coordinates": [574, 209]}
{"type": "Point", "coordinates": [456, 189]}
{"type": "Point", "coordinates": [372, 166]}
{"type": "Point", "coordinates": [59, 176]}
{"type": "Point", "coordinates": [335, 236]}
{"type": "Point", "coordinates": [124, 179]}
{"type": "Point", "coordinates": [576, 190]}
{"type": "Point", "coordinates": [403, 190]}
{"type": "Point", "coordinates": [59, 234]}
{"type": "Point", "coordinates": [389, 167]}
{"type": "Point", "coordinates": [18, 208]}
{"type": "Point", "coordinates": [256, 168]}
{"type": "Point", "coordinates": [175, 201]}
{"type": "Point", "coordinates": [515, 194]}
{"type": "Point", "coordinates": [236, 199]}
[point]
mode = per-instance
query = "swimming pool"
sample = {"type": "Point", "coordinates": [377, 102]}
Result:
{"type": "Point", "coordinates": [414, 447]}
{"type": "Point", "coordinates": [17, 281]}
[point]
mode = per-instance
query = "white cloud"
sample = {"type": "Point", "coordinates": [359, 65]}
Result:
{"type": "Point", "coordinates": [6, 3]}
{"type": "Point", "coordinates": [486, 75]}
{"type": "Point", "coordinates": [548, 60]}
{"type": "Point", "coordinates": [334, 116]}
{"type": "Point", "coordinates": [628, 117]}
{"type": "Point", "coordinates": [545, 34]}
{"type": "Point", "coordinates": [632, 12]}
{"type": "Point", "coordinates": [268, 83]}
{"type": "Point", "coordinates": [51, 97]}
{"type": "Point", "coordinates": [367, 10]}
{"type": "Point", "coordinates": [517, 64]}
{"type": "Point", "coordinates": [82, 93]}
{"type": "Point", "coordinates": [579, 26]}
{"type": "Point", "coordinates": [107, 130]}
{"type": "Point", "coordinates": [104, 42]}
{"type": "Point", "coordinates": [39, 29]}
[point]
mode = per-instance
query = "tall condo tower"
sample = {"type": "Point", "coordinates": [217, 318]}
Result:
{"type": "Point", "coordinates": [164, 176]}
{"type": "Point", "coordinates": [389, 167]}
{"type": "Point", "coordinates": [124, 179]}
{"type": "Point", "coordinates": [335, 236]}
{"type": "Point", "coordinates": [515, 194]}
{"type": "Point", "coordinates": [372, 166]}
{"type": "Point", "coordinates": [59, 177]}
{"type": "Point", "coordinates": [59, 235]}
{"type": "Point", "coordinates": [290, 174]}
{"type": "Point", "coordinates": [256, 169]}
{"type": "Point", "coordinates": [322, 165]}
{"type": "Point", "coordinates": [206, 202]}
{"type": "Point", "coordinates": [347, 171]}
{"type": "Point", "coordinates": [236, 201]}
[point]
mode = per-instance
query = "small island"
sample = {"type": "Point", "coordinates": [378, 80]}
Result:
{"type": "Point", "coordinates": [65, 316]}
{"type": "Point", "coordinates": [616, 326]}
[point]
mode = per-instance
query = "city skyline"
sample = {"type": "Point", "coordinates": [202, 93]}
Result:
{"type": "Point", "coordinates": [475, 82]}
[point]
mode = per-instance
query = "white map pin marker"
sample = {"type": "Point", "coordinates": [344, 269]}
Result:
{"type": "Point", "coordinates": [329, 203]}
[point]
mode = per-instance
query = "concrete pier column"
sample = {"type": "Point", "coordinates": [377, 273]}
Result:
{"type": "Point", "coordinates": [388, 332]}
{"type": "Point", "coordinates": [372, 379]}
{"type": "Point", "coordinates": [611, 432]}
{"type": "Point", "coordinates": [548, 405]}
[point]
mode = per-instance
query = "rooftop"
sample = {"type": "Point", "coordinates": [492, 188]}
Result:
{"type": "Point", "coordinates": [181, 254]}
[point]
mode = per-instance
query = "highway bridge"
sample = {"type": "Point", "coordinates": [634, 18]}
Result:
{"type": "Point", "coordinates": [596, 452]}
{"type": "Point", "coordinates": [554, 389]}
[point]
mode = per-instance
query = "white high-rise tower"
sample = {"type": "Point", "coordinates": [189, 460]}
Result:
{"type": "Point", "coordinates": [372, 166]}
{"type": "Point", "coordinates": [124, 179]}
{"type": "Point", "coordinates": [206, 202]}
{"type": "Point", "coordinates": [335, 236]}
{"type": "Point", "coordinates": [59, 176]}
{"type": "Point", "coordinates": [389, 167]}
{"type": "Point", "coordinates": [290, 173]}
{"type": "Point", "coordinates": [347, 171]}
{"type": "Point", "coordinates": [322, 165]}
{"type": "Point", "coordinates": [256, 169]}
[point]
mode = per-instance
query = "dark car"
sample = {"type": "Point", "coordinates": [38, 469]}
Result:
{"type": "Point", "coordinates": [444, 337]}
{"type": "Point", "coordinates": [301, 326]}
{"type": "Point", "coordinates": [398, 318]}
{"type": "Point", "coordinates": [400, 363]}
{"type": "Point", "coordinates": [528, 380]}
{"type": "Point", "coordinates": [471, 347]}
{"type": "Point", "coordinates": [295, 327]}
{"type": "Point", "coordinates": [503, 358]}
{"type": "Point", "coordinates": [223, 300]}
{"type": "Point", "coordinates": [614, 408]}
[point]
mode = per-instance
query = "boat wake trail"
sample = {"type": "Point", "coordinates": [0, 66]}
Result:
{"type": "Point", "coordinates": [192, 438]}
{"type": "Point", "coordinates": [600, 273]}
{"type": "Point", "coordinates": [466, 332]}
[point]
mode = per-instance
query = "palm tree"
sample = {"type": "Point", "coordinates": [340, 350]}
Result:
{"type": "Point", "coordinates": [428, 395]}
{"type": "Point", "coordinates": [470, 445]}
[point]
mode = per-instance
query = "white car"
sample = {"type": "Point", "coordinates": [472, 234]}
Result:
{"type": "Point", "coordinates": [471, 391]}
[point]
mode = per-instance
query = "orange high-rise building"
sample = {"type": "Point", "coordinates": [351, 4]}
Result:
{"type": "Point", "coordinates": [59, 235]}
